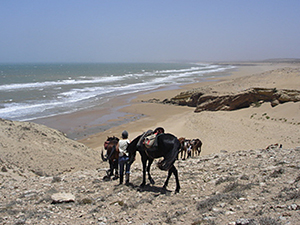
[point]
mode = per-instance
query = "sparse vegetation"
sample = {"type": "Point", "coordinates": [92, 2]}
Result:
{"type": "Point", "coordinates": [226, 179]}
{"type": "Point", "coordinates": [266, 116]}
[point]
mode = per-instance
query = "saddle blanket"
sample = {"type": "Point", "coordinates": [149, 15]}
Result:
{"type": "Point", "coordinates": [149, 140]}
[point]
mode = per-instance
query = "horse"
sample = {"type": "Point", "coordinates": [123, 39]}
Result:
{"type": "Point", "coordinates": [196, 146]}
{"type": "Point", "coordinates": [167, 147]}
{"type": "Point", "coordinates": [184, 144]}
{"type": "Point", "coordinates": [112, 155]}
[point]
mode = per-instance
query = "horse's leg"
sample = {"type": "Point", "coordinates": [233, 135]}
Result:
{"type": "Point", "coordinates": [144, 161]}
{"type": "Point", "coordinates": [168, 177]}
{"type": "Point", "coordinates": [175, 172]}
{"type": "Point", "coordinates": [116, 169]}
{"type": "Point", "coordinates": [150, 161]}
{"type": "Point", "coordinates": [111, 168]}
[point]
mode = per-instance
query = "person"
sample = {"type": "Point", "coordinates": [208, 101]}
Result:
{"type": "Point", "coordinates": [124, 157]}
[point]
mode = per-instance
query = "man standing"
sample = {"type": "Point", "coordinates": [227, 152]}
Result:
{"type": "Point", "coordinates": [124, 157]}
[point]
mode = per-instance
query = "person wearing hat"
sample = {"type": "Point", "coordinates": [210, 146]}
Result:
{"type": "Point", "coordinates": [124, 157]}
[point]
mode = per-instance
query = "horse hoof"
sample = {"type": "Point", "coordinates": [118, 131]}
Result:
{"type": "Point", "coordinates": [106, 178]}
{"type": "Point", "coordinates": [176, 191]}
{"type": "Point", "coordinates": [152, 182]}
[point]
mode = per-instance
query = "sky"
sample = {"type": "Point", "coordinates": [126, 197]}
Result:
{"type": "Point", "coordinates": [148, 31]}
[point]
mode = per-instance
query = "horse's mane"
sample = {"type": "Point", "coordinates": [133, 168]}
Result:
{"type": "Point", "coordinates": [112, 140]}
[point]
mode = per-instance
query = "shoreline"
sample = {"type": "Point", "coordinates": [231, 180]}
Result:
{"type": "Point", "coordinates": [219, 130]}
{"type": "Point", "coordinates": [154, 116]}
{"type": "Point", "coordinates": [84, 123]}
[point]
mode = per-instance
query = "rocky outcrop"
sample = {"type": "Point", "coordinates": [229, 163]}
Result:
{"type": "Point", "coordinates": [216, 101]}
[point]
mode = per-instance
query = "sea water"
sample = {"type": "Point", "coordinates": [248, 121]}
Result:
{"type": "Point", "coordinates": [32, 91]}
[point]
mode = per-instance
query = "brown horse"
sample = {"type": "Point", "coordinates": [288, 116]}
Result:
{"type": "Point", "coordinates": [112, 155]}
{"type": "Point", "coordinates": [184, 144]}
{"type": "Point", "coordinates": [196, 146]}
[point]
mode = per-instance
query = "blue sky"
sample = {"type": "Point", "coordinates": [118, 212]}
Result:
{"type": "Point", "coordinates": [148, 31]}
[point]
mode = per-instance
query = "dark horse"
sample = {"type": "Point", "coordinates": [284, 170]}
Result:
{"type": "Point", "coordinates": [112, 155]}
{"type": "Point", "coordinates": [167, 147]}
{"type": "Point", "coordinates": [196, 146]}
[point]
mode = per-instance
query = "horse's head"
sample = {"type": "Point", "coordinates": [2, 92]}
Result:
{"type": "Point", "coordinates": [181, 140]}
{"type": "Point", "coordinates": [113, 138]}
{"type": "Point", "coordinates": [132, 148]}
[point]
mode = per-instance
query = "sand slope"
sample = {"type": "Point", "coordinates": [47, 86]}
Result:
{"type": "Point", "coordinates": [42, 150]}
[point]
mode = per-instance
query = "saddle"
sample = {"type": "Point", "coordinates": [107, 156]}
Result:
{"type": "Point", "coordinates": [148, 139]}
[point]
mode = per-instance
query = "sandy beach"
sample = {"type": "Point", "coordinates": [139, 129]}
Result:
{"type": "Point", "coordinates": [242, 129]}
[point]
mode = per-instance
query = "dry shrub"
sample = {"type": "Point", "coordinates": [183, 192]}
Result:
{"type": "Point", "coordinates": [268, 221]}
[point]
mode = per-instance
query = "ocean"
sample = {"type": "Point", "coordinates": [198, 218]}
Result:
{"type": "Point", "coordinates": [34, 91]}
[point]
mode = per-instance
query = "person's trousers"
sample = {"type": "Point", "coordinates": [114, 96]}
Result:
{"type": "Point", "coordinates": [124, 164]}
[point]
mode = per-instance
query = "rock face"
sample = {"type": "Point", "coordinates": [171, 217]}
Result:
{"type": "Point", "coordinates": [228, 102]}
{"type": "Point", "coordinates": [42, 150]}
{"type": "Point", "coordinates": [244, 187]}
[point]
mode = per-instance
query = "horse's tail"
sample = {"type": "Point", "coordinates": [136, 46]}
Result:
{"type": "Point", "coordinates": [102, 156]}
{"type": "Point", "coordinates": [171, 157]}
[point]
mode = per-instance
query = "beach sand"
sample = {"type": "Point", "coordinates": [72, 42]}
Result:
{"type": "Point", "coordinates": [249, 128]}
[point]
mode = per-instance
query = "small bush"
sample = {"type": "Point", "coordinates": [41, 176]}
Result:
{"type": "Point", "coordinates": [226, 179]}
{"type": "Point", "coordinates": [235, 186]}
{"type": "Point", "coordinates": [293, 195]}
{"type": "Point", "coordinates": [277, 173]}
{"type": "Point", "coordinates": [268, 221]}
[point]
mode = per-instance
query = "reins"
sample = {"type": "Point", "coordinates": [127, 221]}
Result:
{"type": "Point", "coordinates": [145, 149]}
{"type": "Point", "coordinates": [112, 151]}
